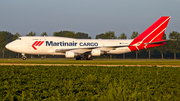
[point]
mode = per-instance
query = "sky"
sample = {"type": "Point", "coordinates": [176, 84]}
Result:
{"type": "Point", "coordinates": [89, 16]}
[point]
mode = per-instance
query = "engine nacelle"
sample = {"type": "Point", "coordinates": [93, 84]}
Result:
{"type": "Point", "coordinates": [96, 52]}
{"type": "Point", "coordinates": [70, 54]}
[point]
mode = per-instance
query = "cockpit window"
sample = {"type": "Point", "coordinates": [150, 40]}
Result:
{"type": "Point", "coordinates": [18, 39]}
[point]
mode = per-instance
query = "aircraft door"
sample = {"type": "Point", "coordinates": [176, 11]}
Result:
{"type": "Point", "coordinates": [28, 47]}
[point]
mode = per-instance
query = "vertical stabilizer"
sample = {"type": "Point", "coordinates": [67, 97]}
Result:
{"type": "Point", "coordinates": [152, 34]}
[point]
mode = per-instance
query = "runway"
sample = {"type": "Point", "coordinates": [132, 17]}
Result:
{"type": "Point", "coordinates": [24, 64]}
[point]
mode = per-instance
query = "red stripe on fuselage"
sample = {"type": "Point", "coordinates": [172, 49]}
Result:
{"type": "Point", "coordinates": [41, 43]}
{"type": "Point", "coordinates": [37, 43]}
{"type": "Point", "coordinates": [34, 44]}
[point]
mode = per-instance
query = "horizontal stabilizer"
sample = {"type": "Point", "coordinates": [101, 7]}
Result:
{"type": "Point", "coordinates": [157, 42]}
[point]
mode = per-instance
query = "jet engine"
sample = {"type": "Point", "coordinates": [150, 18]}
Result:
{"type": "Point", "coordinates": [96, 52]}
{"type": "Point", "coordinates": [70, 54]}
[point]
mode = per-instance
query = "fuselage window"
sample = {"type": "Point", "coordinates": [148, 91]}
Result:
{"type": "Point", "coordinates": [35, 39]}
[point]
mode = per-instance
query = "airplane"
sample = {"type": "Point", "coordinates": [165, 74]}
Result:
{"type": "Point", "coordinates": [84, 49]}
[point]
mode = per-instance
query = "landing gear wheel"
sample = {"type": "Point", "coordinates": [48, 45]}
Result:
{"type": "Point", "coordinates": [24, 58]}
{"type": "Point", "coordinates": [86, 57]}
{"type": "Point", "coordinates": [90, 58]}
{"type": "Point", "coordinates": [78, 58]}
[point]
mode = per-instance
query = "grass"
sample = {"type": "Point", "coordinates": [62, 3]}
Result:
{"type": "Point", "coordinates": [95, 61]}
{"type": "Point", "coordinates": [78, 83]}
{"type": "Point", "coordinates": [89, 83]}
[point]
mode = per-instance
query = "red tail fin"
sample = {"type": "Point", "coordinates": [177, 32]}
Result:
{"type": "Point", "coordinates": [152, 34]}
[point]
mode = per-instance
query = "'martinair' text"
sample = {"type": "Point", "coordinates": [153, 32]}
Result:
{"type": "Point", "coordinates": [63, 43]}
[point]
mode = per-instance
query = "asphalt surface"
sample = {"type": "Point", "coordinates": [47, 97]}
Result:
{"type": "Point", "coordinates": [23, 64]}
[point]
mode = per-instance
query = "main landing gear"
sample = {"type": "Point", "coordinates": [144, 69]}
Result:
{"type": "Point", "coordinates": [85, 57]}
{"type": "Point", "coordinates": [23, 56]}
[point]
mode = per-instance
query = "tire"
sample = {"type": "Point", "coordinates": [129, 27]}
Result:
{"type": "Point", "coordinates": [24, 58]}
{"type": "Point", "coordinates": [90, 58]}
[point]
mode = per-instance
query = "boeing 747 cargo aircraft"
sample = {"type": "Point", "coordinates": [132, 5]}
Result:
{"type": "Point", "coordinates": [84, 49]}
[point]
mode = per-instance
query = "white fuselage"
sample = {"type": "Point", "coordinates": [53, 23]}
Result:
{"type": "Point", "coordinates": [50, 45]}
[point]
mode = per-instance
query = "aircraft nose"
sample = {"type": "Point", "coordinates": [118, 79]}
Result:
{"type": "Point", "coordinates": [7, 46]}
{"type": "Point", "coordinates": [11, 46]}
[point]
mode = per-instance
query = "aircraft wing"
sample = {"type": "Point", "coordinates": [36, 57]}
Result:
{"type": "Point", "coordinates": [87, 49]}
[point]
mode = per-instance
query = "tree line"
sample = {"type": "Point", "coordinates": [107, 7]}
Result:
{"type": "Point", "coordinates": [170, 50]}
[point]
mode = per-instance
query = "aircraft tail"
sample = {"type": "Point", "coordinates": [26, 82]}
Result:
{"type": "Point", "coordinates": [152, 36]}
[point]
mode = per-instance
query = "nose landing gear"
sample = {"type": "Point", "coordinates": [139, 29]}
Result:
{"type": "Point", "coordinates": [23, 56]}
